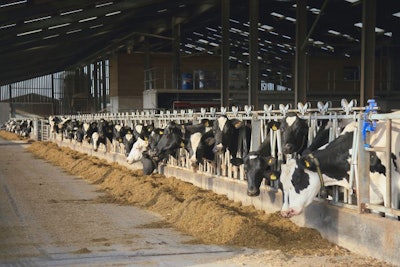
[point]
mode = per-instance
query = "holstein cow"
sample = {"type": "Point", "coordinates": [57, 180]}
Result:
{"type": "Point", "coordinates": [294, 131]}
{"type": "Point", "coordinates": [141, 151]}
{"type": "Point", "coordinates": [169, 143]}
{"type": "Point", "coordinates": [258, 164]}
{"type": "Point", "coordinates": [143, 135]}
{"type": "Point", "coordinates": [199, 142]}
{"type": "Point", "coordinates": [233, 135]}
{"type": "Point", "coordinates": [103, 135]}
{"type": "Point", "coordinates": [301, 179]}
{"type": "Point", "coordinates": [165, 144]}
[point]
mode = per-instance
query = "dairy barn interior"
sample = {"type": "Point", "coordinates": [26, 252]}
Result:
{"type": "Point", "coordinates": [124, 57]}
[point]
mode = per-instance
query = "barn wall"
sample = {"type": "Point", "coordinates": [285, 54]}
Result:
{"type": "Point", "coordinates": [328, 75]}
{"type": "Point", "coordinates": [329, 78]}
{"type": "Point", "coordinates": [127, 76]}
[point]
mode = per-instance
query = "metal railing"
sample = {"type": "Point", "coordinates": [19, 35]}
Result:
{"type": "Point", "coordinates": [359, 171]}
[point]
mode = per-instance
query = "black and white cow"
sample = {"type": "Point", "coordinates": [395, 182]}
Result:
{"type": "Point", "coordinates": [294, 131]}
{"type": "Point", "coordinates": [259, 164]}
{"type": "Point", "coordinates": [145, 137]}
{"type": "Point", "coordinates": [199, 142]}
{"type": "Point", "coordinates": [169, 143]}
{"type": "Point", "coordinates": [300, 181]}
{"type": "Point", "coordinates": [104, 134]}
{"type": "Point", "coordinates": [233, 135]}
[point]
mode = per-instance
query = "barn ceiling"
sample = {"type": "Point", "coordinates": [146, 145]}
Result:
{"type": "Point", "coordinates": [39, 37]}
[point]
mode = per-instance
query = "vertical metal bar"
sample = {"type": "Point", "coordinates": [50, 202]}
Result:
{"type": "Point", "coordinates": [104, 83]}
{"type": "Point", "coordinates": [300, 80]}
{"type": "Point", "coordinates": [367, 85]}
{"type": "Point", "coordinates": [254, 83]}
{"type": "Point", "coordinates": [225, 50]}
{"type": "Point", "coordinates": [53, 108]}
{"type": "Point", "coordinates": [388, 164]}
{"type": "Point", "coordinates": [10, 100]}
{"type": "Point", "coordinates": [95, 87]}
{"type": "Point", "coordinates": [176, 54]}
{"type": "Point", "coordinates": [362, 170]}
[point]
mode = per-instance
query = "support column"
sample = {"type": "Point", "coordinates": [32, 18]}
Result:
{"type": "Point", "coordinates": [53, 108]}
{"type": "Point", "coordinates": [88, 88]}
{"type": "Point", "coordinates": [254, 81]}
{"type": "Point", "coordinates": [225, 51]}
{"type": "Point", "coordinates": [176, 34]}
{"type": "Point", "coordinates": [300, 76]}
{"type": "Point", "coordinates": [148, 74]}
{"type": "Point", "coordinates": [12, 111]}
{"type": "Point", "coordinates": [95, 87]}
{"type": "Point", "coordinates": [104, 83]}
{"type": "Point", "coordinates": [367, 83]}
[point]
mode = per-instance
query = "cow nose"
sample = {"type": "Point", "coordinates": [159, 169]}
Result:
{"type": "Point", "coordinates": [219, 148]}
{"type": "Point", "coordinates": [253, 193]}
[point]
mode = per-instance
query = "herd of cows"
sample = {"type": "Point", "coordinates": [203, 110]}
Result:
{"type": "Point", "coordinates": [306, 168]}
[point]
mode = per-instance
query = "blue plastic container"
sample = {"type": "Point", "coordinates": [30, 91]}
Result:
{"type": "Point", "coordinates": [187, 81]}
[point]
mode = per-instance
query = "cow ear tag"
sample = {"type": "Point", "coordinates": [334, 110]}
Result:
{"type": "Point", "coordinates": [307, 164]}
{"type": "Point", "coordinates": [206, 124]}
{"type": "Point", "coordinates": [182, 144]}
{"type": "Point", "coordinates": [161, 132]}
{"type": "Point", "coordinates": [273, 177]}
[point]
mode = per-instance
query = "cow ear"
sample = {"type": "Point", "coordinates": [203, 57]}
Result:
{"type": "Point", "coordinates": [238, 123]}
{"type": "Point", "coordinates": [274, 125]}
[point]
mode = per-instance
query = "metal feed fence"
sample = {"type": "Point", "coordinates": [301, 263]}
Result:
{"type": "Point", "coordinates": [359, 171]}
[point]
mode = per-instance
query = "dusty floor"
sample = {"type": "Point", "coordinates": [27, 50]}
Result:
{"type": "Point", "coordinates": [207, 217]}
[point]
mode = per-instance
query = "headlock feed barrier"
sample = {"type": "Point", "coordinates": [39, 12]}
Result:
{"type": "Point", "coordinates": [356, 198]}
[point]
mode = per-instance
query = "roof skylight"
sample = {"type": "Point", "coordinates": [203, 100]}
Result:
{"type": "Point", "coordinates": [71, 12]}
{"type": "Point", "coordinates": [37, 19]}
{"type": "Point", "coordinates": [13, 3]}
{"type": "Point", "coordinates": [29, 32]}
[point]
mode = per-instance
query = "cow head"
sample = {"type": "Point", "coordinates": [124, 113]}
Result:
{"type": "Point", "coordinates": [137, 150]}
{"type": "Point", "coordinates": [149, 165]}
{"type": "Point", "coordinates": [299, 187]}
{"type": "Point", "coordinates": [225, 134]}
{"type": "Point", "coordinates": [294, 134]}
{"type": "Point", "coordinates": [199, 142]}
{"type": "Point", "coordinates": [169, 143]}
{"type": "Point", "coordinates": [257, 168]}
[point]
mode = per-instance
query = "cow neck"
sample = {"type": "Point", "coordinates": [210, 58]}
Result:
{"type": "Point", "coordinates": [322, 191]}
{"type": "Point", "coordinates": [302, 144]}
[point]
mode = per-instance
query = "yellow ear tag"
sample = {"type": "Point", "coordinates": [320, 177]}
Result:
{"type": "Point", "coordinates": [270, 161]}
{"type": "Point", "coordinates": [274, 128]}
{"type": "Point", "coordinates": [182, 144]}
{"type": "Point", "coordinates": [273, 177]}
{"type": "Point", "coordinates": [307, 164]}
{"type": "Point", "coordinates": [206, 124]}
{"type": "Point", "coordinates": [145, 139]}
{"type": "Point", "coordinates": [161, 132]}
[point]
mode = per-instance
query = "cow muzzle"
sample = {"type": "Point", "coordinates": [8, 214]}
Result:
{"type": "Point", "coordinates": [219, 149]}
{"type": "Point", "coordinates": [253, 192]}
{"type": "Point", "coordinates": [289, 213]}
